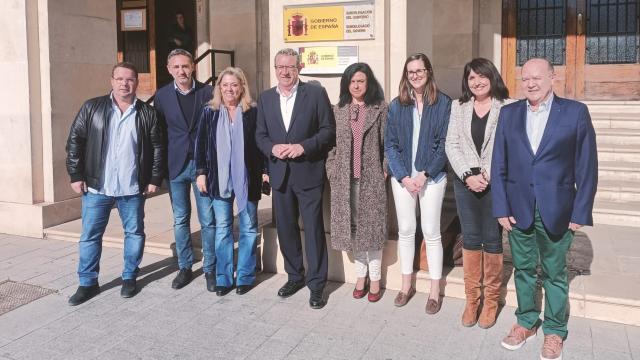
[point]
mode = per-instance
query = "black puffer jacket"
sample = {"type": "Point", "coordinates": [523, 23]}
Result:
{"type": "Point", "coordinates": [87, 143]}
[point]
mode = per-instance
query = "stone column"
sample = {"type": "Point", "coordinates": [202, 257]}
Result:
{"type": "Point", "coordinates": [59, 56]}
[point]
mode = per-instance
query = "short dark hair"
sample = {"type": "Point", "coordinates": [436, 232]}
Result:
{"type": "Point", "coordinates": [126, 65]}
{"type": "Point", "coordinates": [176, 52]}
{"type": "Point", "coordinates": [373, 95]}
{"type": "Point", "coordinates": [485, 68]}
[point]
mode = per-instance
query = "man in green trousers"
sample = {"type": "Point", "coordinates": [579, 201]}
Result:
{"type": "Point", "coordinates": [545, 175]}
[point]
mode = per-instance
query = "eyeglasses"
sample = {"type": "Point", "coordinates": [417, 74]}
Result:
{"type": "Point", "coordinates": [123, 80]}
{"type": "Point", "coordinates": [286, 67]}
{"type": "Point", "coordinates": [419, 72]}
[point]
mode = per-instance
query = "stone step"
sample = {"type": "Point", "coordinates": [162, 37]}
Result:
{"type": "Point", "coordinates": [619, 170]}
{"type": "Point", "coordinates": [618, 136]}
{"type": "Point", "coordinates": [616, 152]}
{"type": "Point", "coordinates": [623, 213]}
{"type": "Point", "coordinates": [618, 190]}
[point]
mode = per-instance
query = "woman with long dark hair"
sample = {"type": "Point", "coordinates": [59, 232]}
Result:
{"type": "Point", "coordinates": [469, 148]}
{"type": "Point", "coordinates": [414, 146]}
{"type": "Point", "coordinates": [355, 168]}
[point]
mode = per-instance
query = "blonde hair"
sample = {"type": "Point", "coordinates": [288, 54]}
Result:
{"type": "Point", "coordinates": [245, 97]}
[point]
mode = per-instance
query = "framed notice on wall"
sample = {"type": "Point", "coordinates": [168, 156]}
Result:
{"type": "Point", "coordinates": [326, 59]}
{"type": "Point", "coordinates": [329, 22]}
{"type": "Point", "coordinates": [133, 20]}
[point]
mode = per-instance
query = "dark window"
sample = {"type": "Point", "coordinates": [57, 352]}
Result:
{"type": "Point", "coordinates": [612, 32]}
{"type": "Point", "coordinates": [541, 30]}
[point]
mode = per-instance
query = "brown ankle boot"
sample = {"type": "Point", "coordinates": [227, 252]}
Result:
{"type": "Point", "coordinates": [492, 281]}
{"type": "Point", "coordinates": [472, 266]}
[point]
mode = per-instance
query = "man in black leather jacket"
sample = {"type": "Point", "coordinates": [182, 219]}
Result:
{"type": "Point", "coordinates": [115, 155]}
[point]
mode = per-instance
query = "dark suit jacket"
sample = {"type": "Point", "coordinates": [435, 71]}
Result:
{"type": "Point", "coordinates": [312, 125]}
{"type": "Point", "coordinates": [560, 179]}
{"type": "Point", "coordinates": [181, 132]}
{"type": "Point", "coordinates": [206, 152]}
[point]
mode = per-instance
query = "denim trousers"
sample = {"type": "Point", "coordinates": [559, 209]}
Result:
{"type": "Point", "coordinates": [247, 242]}
{"type": "Point", "coordinates": [96, 209]}
{"type": "Point", "coordinates": [179, 190]}
{"type": "Point", "coordinates": [480, 230]}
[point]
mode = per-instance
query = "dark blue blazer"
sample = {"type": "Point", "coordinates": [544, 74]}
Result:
{"type": "Point", "coordinates": [181, 132]}
{"type": "Point", "coordinates": [560, 179]}
{"type": "Point", "coordinates": [398, 137]}
{"type": "Point", "coordinates": [206, 154]}
{"type": "Point", "coordinates": [312, 125]}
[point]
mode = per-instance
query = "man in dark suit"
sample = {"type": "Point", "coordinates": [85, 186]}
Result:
{"type": "Point", "coordinates": [179, 104]}
{"type": "Point", "coordinates": [545, 174]}
{"type": "Point", "coordinates": [295, 130]}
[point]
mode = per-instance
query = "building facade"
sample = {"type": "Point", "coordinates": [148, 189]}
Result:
{"type": "Point", "coordinates": [58, 53]}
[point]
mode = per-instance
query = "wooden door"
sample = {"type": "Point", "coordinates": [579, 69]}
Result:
{"type": "Point", "coordinates": [593, 45]}
{"type": "Point", "coordinates": [137, 44]}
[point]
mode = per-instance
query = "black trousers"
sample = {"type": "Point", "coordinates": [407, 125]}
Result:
{"type": "Point", "coordinates": [291, 201]}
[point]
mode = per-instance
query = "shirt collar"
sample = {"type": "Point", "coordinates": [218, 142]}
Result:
{"type": "Point", "coordinates": [544, 106]}
{"type": "Point", "coordinates": [114, 103]}
{"type": "Point", "coordinates": [293, 89]}
{"type": "Point", "coordinates": [193, 86]}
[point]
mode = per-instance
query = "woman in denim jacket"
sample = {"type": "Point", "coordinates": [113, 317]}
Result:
{"type": "Point", "coordinates": [415, 148]}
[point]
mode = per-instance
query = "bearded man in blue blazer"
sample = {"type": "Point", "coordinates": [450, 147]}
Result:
{"type": "Point", "coordinates": [295, 130]}
{"type": "Point", "coordinates": [545, 174]}
{"type": "Point", "coordinates": [179, 104]}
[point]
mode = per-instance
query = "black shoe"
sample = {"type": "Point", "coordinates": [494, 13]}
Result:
{"type": "Point", "coordinates": [316, 301]}
{"type": "Point", "coordinates": [211, 281]}
{"type": "Point", "coordinates": [128, 288]}
{"type": "Point", "coordinates": [83, 294]}
{"type": "Point", "coordinates": [243, 289]}
{"type": "Point", "coordinates": [182, 279]}
{"type": "Point", "coordinates": [290, 288]}
{"type": "Point", "coordinates": [222, 290]}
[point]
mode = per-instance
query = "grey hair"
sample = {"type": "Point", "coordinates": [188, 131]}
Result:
{"type": "Point", "coordinates": [177, 52]}
{"type": "Point", "coordinates": [288, 52]}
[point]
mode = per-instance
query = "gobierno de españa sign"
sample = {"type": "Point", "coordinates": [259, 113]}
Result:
{"type": "Point", "coordinates": [330, 22]}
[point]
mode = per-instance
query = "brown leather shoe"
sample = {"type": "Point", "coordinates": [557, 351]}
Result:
{"type": "Point", "coordinates": [402, 299]}
{"type": "Point", "coordinates": [472, 266]}
{"type": "Point", "coordinates": [518, 336]}
{"type": "Point", "coordinates": [552, 347]}
{"type": "Point", "coordinates": [433, 306]}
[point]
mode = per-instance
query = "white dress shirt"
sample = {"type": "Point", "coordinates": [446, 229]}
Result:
{"type": "Point", "coordinates": [537, 122]}
{"type": "Point", "coordinates": [286, 104]}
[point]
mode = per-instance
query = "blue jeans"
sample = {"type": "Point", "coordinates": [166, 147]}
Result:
{"type": "Point", "coordinates": [246, 243]}
{"type": "Point", "coordinates": [179, 190]}
{"type": "Point", "coordinates": [480, 230]}
{"type": "Point", "coordinates": [96, 209]}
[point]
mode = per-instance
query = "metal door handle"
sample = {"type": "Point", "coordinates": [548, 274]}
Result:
{"type": "Point", "coordinates": [580, 24]}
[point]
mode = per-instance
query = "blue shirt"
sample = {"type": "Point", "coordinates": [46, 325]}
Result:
{"type": "Point", "coordinates": [120, 176]}
{"type": "Point", "coordinates": [537, 122]}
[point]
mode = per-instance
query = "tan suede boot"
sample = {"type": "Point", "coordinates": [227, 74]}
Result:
{"type": "Point", "coordinates": [492, 283]}
{"type": "Point", "coordinates": [472, 266]}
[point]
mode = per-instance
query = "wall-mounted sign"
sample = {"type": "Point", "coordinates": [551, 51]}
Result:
{"type": "Point", "coordinates": [331, 22]}
{"type": "Point", "coordinates": [326, 59]}
{"type": "Point", "coordinates": [133, 20]}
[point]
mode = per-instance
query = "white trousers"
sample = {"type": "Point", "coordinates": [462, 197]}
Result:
{"type": "Point", "coordinates": [430, 201]}
{"type": "Point", "coordinates": [371, 258]}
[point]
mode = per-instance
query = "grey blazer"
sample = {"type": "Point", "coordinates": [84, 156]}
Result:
{"type": "Point", "coordinates": [459, 146]}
